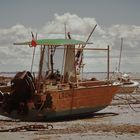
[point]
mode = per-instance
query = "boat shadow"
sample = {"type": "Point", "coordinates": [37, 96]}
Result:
{"type": "Point", "coordinates": [83, 116]}
{"type": "Point", "coordinates": [68, 118]}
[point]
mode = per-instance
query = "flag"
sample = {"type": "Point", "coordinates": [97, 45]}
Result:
{"type": "Point", "coordinates": [33, 42]}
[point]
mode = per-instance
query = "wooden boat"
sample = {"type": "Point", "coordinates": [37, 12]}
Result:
{"type": "Point", "coordinates": [54, 93]}
{"type": "Point", "coordinates": [127, 84]}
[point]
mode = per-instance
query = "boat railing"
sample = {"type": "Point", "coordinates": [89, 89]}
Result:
{"type": "Point", "coordinates": [94, 83]}
{"type": "Point", "coordinates": [83, 84]}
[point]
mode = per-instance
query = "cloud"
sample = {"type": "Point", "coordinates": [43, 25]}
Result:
{"type": "Point", "coordinates": [75, 24]}
{"type": "Point", "coordinates": [125, 31]}
{"type": "Point", "coordinates": [13, 58]}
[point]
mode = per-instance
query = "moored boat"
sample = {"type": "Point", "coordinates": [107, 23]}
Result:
{"type": "Point", "coordinates": [53, 92]}
{"type": "Point", "coordinates": [127, 84]}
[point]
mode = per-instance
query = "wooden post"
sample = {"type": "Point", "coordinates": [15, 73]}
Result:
{"type": "Point", "coordinates": [42, 50]}
{"type": "Point", "coordinates": [51, 60]}
{"type": "Point", "coordinates": [32, 60]}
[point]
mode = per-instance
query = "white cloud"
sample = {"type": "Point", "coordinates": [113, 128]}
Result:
{"type": "Point", "coordinates": [124, 31]}
{"type": "Point", "coordinates": [131, 34]}
{"type": "Point", "coordinates": [74, 23]}
{"type": "Point", "coordinates": [13, 58]}
{"type": "Point", "coordinates": [80, 29]}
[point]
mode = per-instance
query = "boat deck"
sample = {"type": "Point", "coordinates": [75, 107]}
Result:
{"type": "Point", "coordinates": [81, 85]}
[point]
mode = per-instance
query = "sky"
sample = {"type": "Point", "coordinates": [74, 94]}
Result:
{"type": "Point", "coordinates": [115, 19]}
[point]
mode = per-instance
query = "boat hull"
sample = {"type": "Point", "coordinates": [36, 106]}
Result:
{"type": "Point", "coordinates": [34, 115]}
{"type": "Point", "coordinates": [69, 102]}
{"type": "Point", "coordinates": [129, 87]}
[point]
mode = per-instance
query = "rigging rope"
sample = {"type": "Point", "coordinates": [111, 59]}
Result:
{"type": "Point", "coordinates": [130, 104]}
{"type": "Point", "coordinates": [128, 101]}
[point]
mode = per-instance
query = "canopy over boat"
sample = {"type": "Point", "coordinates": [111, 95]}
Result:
{"type": "Point", "coordinates": [54, 42]}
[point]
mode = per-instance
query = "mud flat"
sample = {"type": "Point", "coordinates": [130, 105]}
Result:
{"type": "Point", "coordinates": [119, 121]}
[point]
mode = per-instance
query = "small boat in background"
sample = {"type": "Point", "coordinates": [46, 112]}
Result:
{"type": "Point", "coordinates": [127, 84]}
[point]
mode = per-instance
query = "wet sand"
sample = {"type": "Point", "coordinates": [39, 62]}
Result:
{"type": "Point", "coordinates": [119, 121]}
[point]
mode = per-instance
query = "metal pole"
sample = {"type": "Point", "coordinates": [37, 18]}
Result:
{"type": "Point", "coordinates": [91, 34]}
{"type": "Point", "coordinates": [33, 60]}
{"type": "Point", "coordinates": [81, 52]}
{"type": "Point", "coordinates": [120, 55]}
{"type": "Point", "coordinates": [108, 54]}
{"type": "Point", "coordinates": [33, 54]}
{"type": "Point", "coordinates": [65, 31]}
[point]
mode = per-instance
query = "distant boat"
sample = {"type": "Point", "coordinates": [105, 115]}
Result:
{"type": "Point", "coordinates": [57, 93]}
{"type": "Point", "coordinates": [127, 84]}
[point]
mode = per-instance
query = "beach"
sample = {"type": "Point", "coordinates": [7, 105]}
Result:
{"type": "Point", "coordinates": [119, 121]}
{"type": "Point", "coordinates": [76, 60]}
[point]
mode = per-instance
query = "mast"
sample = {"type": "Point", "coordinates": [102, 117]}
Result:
{"type": "Point", "coordinates": [33, 51]}
{"type": "Point", "coordinates": [120, 55]}
{"type": "Point", "coordinates": [65, 31]}
{"type": "Point", "coordinates": [108, 61]}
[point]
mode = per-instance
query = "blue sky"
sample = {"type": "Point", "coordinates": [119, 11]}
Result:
{"type": "Point", "coordinates": [115, 19]}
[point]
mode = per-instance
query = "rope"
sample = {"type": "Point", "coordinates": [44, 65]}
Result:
{"type": "Point", "coordinates": [128, 101]}
{"type": "Point", "coordinates": [130, 104]}
{"type": "Point", "coordinates": [135, 98]}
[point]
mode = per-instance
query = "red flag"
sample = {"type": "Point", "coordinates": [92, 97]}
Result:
{"type": "Point", "coordinates": [33, 42]}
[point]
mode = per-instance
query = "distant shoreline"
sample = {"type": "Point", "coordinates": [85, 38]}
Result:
{"type": "Point", "coordinates": [98, 75]}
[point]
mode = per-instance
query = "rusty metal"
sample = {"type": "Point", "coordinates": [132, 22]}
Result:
{"type": "Point", "coordinates": [28, 128]}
